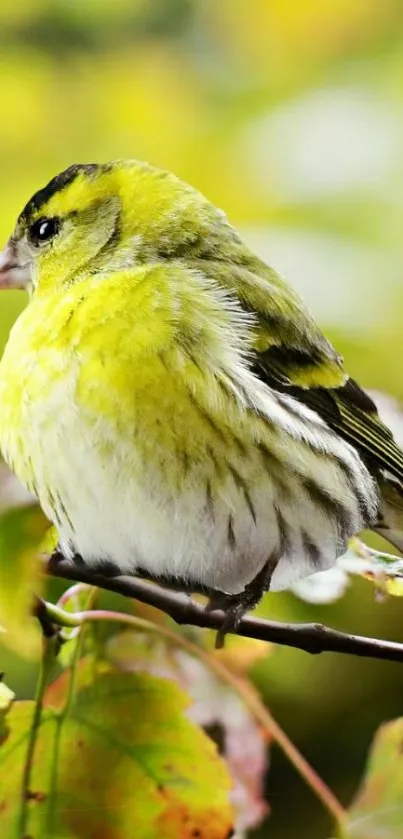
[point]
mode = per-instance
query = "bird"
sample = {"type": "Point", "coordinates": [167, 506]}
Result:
{"type": "Point", "coordinates": [172, 404]}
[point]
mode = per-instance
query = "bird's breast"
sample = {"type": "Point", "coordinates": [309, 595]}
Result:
{"type": "Point", "coordinates": [143, 457]}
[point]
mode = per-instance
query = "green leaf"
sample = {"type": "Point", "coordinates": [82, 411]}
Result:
{"type": "Point", "coordinates": [21, 531]}
{"type": "Point", "coordinates": [377, 812]}
{"type": "Point", "coordinates": [125, 763]}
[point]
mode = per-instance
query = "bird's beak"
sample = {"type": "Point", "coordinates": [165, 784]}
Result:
{"type": "Point", "coordinates": [14, 271]}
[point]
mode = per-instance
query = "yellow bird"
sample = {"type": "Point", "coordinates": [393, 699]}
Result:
{"type": "Point", "coordinates": [170, 400]}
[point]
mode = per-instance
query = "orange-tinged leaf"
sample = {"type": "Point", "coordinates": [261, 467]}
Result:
{"type": "Point", "coordinates": [56, 692]}
{"type": "Point", "coordinates": [125, 764]}
{"type": "Point", "coordinates": [215, 706]}
{"type": "Point", "coordinates": [377, 811]}
{"type": "Point", "coordinates": [21, 531]}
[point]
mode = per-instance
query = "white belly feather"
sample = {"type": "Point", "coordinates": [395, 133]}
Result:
{"type": "Point", "coordinates": [114, 507]}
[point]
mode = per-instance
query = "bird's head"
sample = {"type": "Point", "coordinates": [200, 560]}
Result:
{"type": "Point", "coordinates": [97, 218]}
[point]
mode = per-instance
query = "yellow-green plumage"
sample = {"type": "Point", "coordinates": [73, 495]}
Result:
{"type": "Point", "coordinates": [170, 400]}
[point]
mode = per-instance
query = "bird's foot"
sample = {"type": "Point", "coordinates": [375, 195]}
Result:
{"type": "Point", "coordinates": [235, 606]}
{"type": "Point", "coordinates": [55, 558]}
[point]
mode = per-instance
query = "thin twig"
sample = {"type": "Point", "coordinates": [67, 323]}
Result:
{"type": "Point", "coordinates": [311, 637]}
{"type": "Point", "coordinates": [50, 649]}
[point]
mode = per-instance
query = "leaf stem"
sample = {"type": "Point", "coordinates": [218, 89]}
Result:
{"type": "Point", "coordinates": [73, 592]}
{"type": "Point", "coordinates": [274, 731]}
{"type": "Point", "coordinates": [249, 696]}
{"type": "Point", "coordinates": [50, 650]}
{"type": "Point", "coordinates": [58, 615]}
{"type": "Point", "coordinates": [92, 594]}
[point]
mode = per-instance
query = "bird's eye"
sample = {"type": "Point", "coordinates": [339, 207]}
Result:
{"type": "Point", "coordinates": [43, 229]}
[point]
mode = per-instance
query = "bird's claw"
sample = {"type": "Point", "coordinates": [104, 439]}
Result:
{"type": "Point", "coordinates": [234, 607]}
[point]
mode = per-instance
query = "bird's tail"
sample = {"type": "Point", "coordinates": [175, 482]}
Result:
{"type": "Point", "coordinates": [390, 524]}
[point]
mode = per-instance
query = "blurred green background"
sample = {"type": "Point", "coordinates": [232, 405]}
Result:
{"type": "Point", "coordinates": [289, 116]}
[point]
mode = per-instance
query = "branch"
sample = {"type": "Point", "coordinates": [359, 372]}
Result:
{"type": "Point", "coordinates": [311, 637]}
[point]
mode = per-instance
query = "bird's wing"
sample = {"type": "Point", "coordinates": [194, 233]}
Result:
{"type": "Point", "coordinates": [350, 412]}
{"type": "Point", "coordinates": [303, 363]}
{"type": "Point", "coordinates": [291, 354]}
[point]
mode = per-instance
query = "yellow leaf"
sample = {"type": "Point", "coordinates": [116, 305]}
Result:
{"type": "Point", "coordinates": [21, 531]}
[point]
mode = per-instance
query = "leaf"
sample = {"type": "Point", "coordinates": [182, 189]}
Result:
{"type": "Point", "coordinates": [21, 531]}
{"type": "Point", "coordinates": [124, 764]}
{"type": "Point", "coordinates": [377, 812]}
{"type": "Point", "coordinates": [215, 706]}
{"type": "Point", "coordinates": [322, 587]}
{"type": "Point", "coordinates": [85, 670]}
{"type": "Point", "coordinates": [384, 570]}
